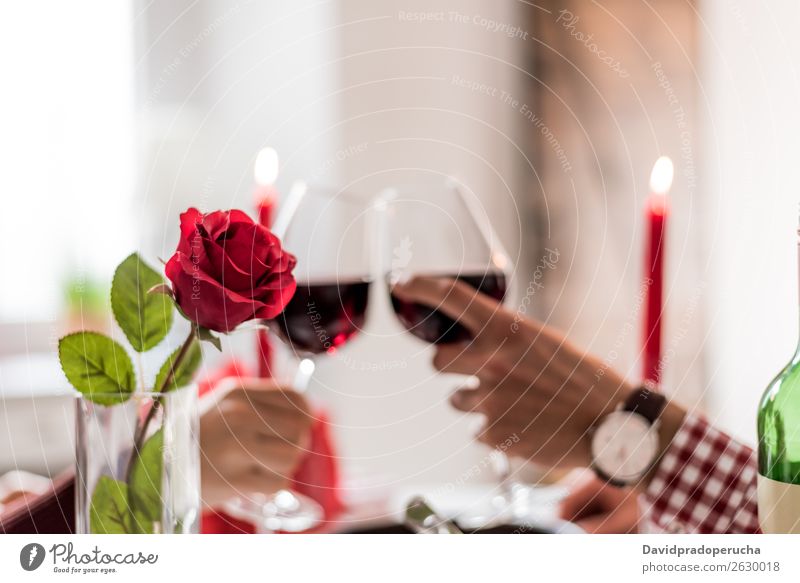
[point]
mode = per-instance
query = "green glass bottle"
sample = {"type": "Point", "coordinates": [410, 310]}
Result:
{"type": "Point", "coordinates": [779, 451]}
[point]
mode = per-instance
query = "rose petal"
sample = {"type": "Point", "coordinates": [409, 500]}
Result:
{"type": "Point", "coordinates": [235, 296]}
{"type": "Point", "coordinates": [216, 224]}
{"type": "Point", "coordinates": [237, 216]}
{"type": "Point", "coordinates": [225, 270]}
{"type": "Point", "coordinates": [211, 306]}
{"type": "Point", "coordinates": [275, 281]}
{"type": "Point", "coordinates": [277, 302]}
{"type": "Point", "coordinates": [247, 249]}
{"type": "Point", "coordinates": [205, 301]}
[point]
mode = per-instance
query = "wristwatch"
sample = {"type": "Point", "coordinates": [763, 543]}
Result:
{"type": "Point", "coordinates": [624, 445]}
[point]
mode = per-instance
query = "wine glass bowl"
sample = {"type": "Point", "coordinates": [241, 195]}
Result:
{"type": "Point", "coordinates": [431, 325]}
{"type": "Point", "coordinates": [326, 230]}
{"type": "Point", "coordinates": [438, 233]}
{"type": "Point", "coordinates": [323, 315]}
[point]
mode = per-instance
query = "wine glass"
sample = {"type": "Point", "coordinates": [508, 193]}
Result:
{"type": "Point", "coordinates": [326, 230]}
{"type": "Point", "coordinates": [437, 233]}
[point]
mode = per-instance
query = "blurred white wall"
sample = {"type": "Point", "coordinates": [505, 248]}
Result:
{"type": "Point", "coordinates": [750, 91]}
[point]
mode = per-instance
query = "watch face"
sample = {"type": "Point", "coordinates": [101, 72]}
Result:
{"type": "Point", "coordinates": [624, 445]}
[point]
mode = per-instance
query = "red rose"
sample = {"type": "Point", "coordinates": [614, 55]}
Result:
{"type": "Point", "coordinates": [228, 269]}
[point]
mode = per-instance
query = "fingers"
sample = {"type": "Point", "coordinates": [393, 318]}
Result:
{"type": "Point", "coordinates": [268, 393]}
{"type": "Point", "coordinates": [237, 460]}
{"type": "Point", "coordinates": [456, 299]}
{"type": "Point", "coordinates": [498, 406]}
{"type": "Point", "coordinates": [271, 455]}
{"type": "Point", "coordinates": [260, 422]}
{"type": "Point", "coordinates": [459, 359]}
{"type": "Point", "coordinates": [620, 521]}
{"type": "Point", "coordinates": [467, 400]}
{"type": "Point", "coordinates": [236, 449]}
{"type": "Point", "coordinates": [600, 508]}
{"type": "Point", "coordinates": [252, 437]}
{"type": "Point", "coordinates": [582, 500]}
{"type": "Point", "coordinates": [274, 409]}
{"type": "Point", "coordinates": [506, 399]}
{"type": "Point", "coordinates": [254, 480]}
{"type": "Point", "coordinates": [248, 422]}
{"type": "Point", "coordinates": [500, 429]}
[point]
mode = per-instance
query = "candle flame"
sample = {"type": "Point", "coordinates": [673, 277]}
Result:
{"type": "Point", "coordinates": [661, 176]}
{"type": "Point", "coordinates": [266, 167]}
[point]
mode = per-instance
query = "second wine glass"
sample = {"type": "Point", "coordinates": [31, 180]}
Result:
{"type": "Point", "coordinates": [439, 233]}
{"type": "Point", "coordinates": [325, 230]}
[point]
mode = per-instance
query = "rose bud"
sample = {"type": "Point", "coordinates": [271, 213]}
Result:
{"type": "Point", "coordinates": [228, 269]}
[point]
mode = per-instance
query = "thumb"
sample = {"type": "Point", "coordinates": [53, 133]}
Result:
{"type": "Point", "coordinates": [621, 520]}
{"type": "Point", "coordinates": [583, 499]}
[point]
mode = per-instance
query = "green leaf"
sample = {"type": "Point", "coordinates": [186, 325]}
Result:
{"type": "Point", "coordinates": [140, 524]}
{"type": "Point", "coordinates": [145, 318]}
{"type": "Point", "coordinates": [109, 512]}
{"type": "Point", "coordinates": [145, 483]}
{"type": "Point", "coordinates": [97, 366]}
{"type": "Point", "coordinates": [184, 372]}
{"type": "Point", "coordinates": [208, 336]}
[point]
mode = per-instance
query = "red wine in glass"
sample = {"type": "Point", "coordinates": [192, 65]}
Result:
{"type": "Point", "coordinates": [431, 325]}
{"type": "Point", "coordinates": [322, 316]}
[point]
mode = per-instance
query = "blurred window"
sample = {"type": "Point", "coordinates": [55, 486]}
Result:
{"type": "Point", "coordinates": [67, 149]}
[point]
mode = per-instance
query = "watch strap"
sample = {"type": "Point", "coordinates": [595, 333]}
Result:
{"type": "Point", "coordinates": [645, 401]}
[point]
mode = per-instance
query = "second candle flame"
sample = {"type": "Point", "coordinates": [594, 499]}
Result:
{"type": "Point", "coordinates": [661, 176]}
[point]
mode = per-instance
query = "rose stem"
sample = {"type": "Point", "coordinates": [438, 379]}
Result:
{"type": "Point", "coordinates": [139, 437]}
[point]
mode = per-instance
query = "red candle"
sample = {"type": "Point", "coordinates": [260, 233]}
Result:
{"type": "Point", "coordinates": [656, 213]}
{"type": "Point", "coordinates": [266, 195]}
{"type": "Point", "coordinates": [266, 198]}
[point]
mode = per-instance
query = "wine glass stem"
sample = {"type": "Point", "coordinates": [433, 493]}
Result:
{"type": "Point", "coordinates": [502, 467]}
{"type": "Point", "coordinates": [303, 375]}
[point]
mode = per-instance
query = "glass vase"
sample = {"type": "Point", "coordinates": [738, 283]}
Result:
{"type": "Point", "coordinates": [138, 465]}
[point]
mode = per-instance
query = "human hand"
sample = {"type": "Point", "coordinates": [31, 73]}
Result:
{"type": "Point", "coordinates": [252, 437]}
{"type": "Point", "coordinates": [540, 394]}
{"type": "Point", "coordinates": [600, 508]}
